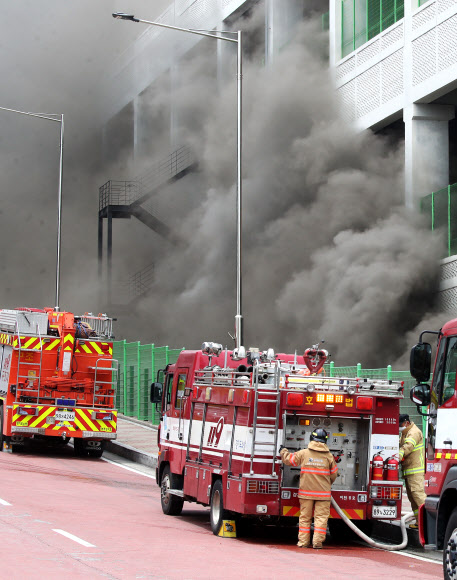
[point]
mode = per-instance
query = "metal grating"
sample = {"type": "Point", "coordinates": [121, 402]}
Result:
{"type": "Point", "coordinates": [447, 46]}
{"type": "Point", "coordinates": [392, 76]}
{"type": "Point", "coordinates": [345, 68]}
{"type": "Point", "coordinates": [424, 57]}
{"type": "Point", "coordinates": [449, 270]}
{"type": "Point", "coordinates": [443, 5]}
{"type": "Point", "coordinates": [369, 95]}
{"type": "Point", "coordinates": [366, 54]}
{"type": "Point", "coordinates": [346, 95]}
{"type": "Point", "coordinates": [392, 36]}
{"type": "Point", "coordinates": [424, 16]}
{"type": "Point", "coordinates": [447, 300]}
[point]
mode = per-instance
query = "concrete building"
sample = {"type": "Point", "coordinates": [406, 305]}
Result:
{"type": "Point", "coordinates": [394, 64]}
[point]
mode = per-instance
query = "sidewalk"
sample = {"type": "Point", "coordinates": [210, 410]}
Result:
{"type": "Point", "coordinates": [136, 440]}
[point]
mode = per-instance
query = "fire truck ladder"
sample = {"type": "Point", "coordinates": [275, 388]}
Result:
{"type": "Point", "coordinates": [114, 370]}
{"type": "Point", "coordinates": [23, 365]}
{"type": "Point", "coordinates": [266, 394]}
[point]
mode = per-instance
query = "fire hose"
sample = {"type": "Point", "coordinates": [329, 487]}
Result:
{"type": "Point", "coordinates": [370, 541]}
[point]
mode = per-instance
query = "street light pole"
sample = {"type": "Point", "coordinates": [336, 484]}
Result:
{"type": "Point", "coordinates": [58, 118]}
{"type": "Point", "coordinates": [238, 41]}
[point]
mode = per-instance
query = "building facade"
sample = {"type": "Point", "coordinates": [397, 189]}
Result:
{"type": "Point", "coordinates": [394, 64]}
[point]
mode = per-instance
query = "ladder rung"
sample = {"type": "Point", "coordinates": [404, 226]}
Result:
{"type": "Point", "coordinates": [27, 363]}
{"type": "Point", "coordinates": [29, 350]}
{"type": "Point", "coordinates": [267, 418]}
{"type": "Point", "coordinates": [264, 426]}
{"type": "Point", "coordinates": [263, 443]}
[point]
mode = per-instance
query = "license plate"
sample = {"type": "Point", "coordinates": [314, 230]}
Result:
{"type": "Point", "coordinates": [384, 511]}
{"type": "Point", "coordinates": [65, 416]}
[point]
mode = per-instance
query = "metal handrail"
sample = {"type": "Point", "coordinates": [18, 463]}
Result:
{"type": "Point", "coordinates": [133, 191]}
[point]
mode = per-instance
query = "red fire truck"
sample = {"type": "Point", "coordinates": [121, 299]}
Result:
{"type": "Point", "coordinates": [225, 415]}
{"type": "Point", "coordinates": [57, 379]}
{"type": "Point", "coordinates": [438, 516]}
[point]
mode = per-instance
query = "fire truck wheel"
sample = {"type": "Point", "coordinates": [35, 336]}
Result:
{"type": "Point", "coordinates": [98, 452]}
{"type": "Point", "coordinates": [450, 547]}
{"type": "Point", "coordinates": [217, 512]}
{"type": "Point", "coordinates": [171, 504]}
{"type": "Point", "coordinates": [80, 450]}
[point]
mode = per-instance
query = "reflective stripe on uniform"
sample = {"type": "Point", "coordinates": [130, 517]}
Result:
{"type": "Point", "coordinates": [334, 470]}
{"type": "Point", "coordinates": [320, 530]}
{"type": "Point", "coordinates": [316, 494]}
{"type": "Point", "coordinates": [322, 471]}
{"type": "Point", "coordinates": [292, 459]}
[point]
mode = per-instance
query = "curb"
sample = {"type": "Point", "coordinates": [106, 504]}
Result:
{"type": "Point", "coordinates": [128, 452]}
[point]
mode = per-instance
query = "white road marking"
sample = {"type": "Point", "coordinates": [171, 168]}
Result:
{"type": "Point", "coordinates": [75, 538]}
{"type": "Point", "coordinates": [439, 562]}
{"type": "Point", "coordinates": [3, 502]}
{"type": "Point", "coordinates": [128, 468]}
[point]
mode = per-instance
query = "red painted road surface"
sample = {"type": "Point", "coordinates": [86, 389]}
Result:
{"type": "Point", "coordinates": [118, 512]}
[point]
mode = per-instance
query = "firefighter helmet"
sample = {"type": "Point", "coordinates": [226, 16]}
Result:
{"type": "Point", "coordinates": [320, 435]}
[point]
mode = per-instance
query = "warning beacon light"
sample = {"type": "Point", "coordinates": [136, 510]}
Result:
{"type": "Point", "coordinates": [211, 348]}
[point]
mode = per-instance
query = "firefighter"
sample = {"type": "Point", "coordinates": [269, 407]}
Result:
{"type": "Point", "coordinates": [412, 462]}
{"type": "Point", "coordinates": [318, 472]}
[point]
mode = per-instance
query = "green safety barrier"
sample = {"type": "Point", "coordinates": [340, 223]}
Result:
{"type": "Point", "coordinates": [138, 366]}
{"type": "Point", "coordinates": [139, 363]}
{"type": "Point", "coordinates": [440, 209]}
{"type": "Point", "coordinates": [406, 405]}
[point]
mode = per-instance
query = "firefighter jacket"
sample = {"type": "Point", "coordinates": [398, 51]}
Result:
{"type": "Point", "coordinates": [318, 470]}
{"type": "Point", "coordinates": [412, 450]}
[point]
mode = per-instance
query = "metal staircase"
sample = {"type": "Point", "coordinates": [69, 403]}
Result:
{"type": "Point", "coordinates": [266, 394]}
{"type": "Point", "coordinates": [125, 199]}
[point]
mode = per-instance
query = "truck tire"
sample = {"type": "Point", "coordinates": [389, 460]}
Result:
{"type": "Point", "coordinates": [217, 513]}
{"type": "Point", "coordinates": [450, 548]}
{"type": "Point", "coordinates": [171, 504]}
{"type": "Point", "coordinates": [80, 450]}
{"type": "Point", "coordinates": [98, 452]}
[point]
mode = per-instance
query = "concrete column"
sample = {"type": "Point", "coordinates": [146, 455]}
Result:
{"type": "Point", "coordinates": [281, 18]}
{"type": "Point", "coordinates": [174, 118]}
{"type": "Point", "coordinates": [226, 60]}
{"type": "Point", "coordinates": [334, 32]}
{"type": "Point", "coordinates": [426, 150]}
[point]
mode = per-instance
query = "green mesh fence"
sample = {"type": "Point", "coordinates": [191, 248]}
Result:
{"type": "Point", "coordinates": [138, 366]}
{"type": "Point", "coordinates": [362, 20]}
{"type": "Point", "coordinates": [406, 405]}
{"type": "Point", "coordinates": [440, 210]}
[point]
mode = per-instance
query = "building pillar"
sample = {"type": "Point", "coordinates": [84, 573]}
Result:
{"type": "Point", "coordinates": [226, 60]}
{"type": "Point", "coordinates": [281, 18]}
{"type": "Point", "coordinates": [426, 150]}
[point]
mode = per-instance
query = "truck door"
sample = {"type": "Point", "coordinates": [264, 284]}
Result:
{"type": "Point", "coordinates": [166, 406]}
{"type": "Point", "coordinates": [180, 396]}
{"type": "Point", "coordinates": [443, 404]}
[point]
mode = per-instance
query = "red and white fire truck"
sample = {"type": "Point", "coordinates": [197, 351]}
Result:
{"type": "Point", "coordinates": [438, 516]}
{"type": "Point", "coordinates": [57, 379]}
{"type": "Point", "coordinates": [225, 415]}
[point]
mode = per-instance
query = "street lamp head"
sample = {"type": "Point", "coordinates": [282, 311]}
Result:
{"type": "Point", "coordinates": [124, 16]}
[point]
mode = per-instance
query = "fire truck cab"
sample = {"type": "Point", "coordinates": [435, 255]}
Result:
{"type": "Point", "coordinates": [225, 415]}
{"type": "Point", "coordinates": [438, 516]}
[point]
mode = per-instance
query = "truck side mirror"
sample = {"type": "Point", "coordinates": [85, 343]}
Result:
{"type": "Point", "coordinates": [420, 362]}
{"type": "Point", "coordinates": [420, 395]}
{"type": "Point", "coordinates": [156, 392]}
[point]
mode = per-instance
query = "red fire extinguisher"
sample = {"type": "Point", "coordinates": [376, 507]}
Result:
{"type": "Point", "coordinates": [377, 470]}
{"type": "Point", "coordinates": [391, 469]}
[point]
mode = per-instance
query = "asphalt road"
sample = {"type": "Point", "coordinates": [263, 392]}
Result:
{"type": "Point", "coordinates": [62, 516]}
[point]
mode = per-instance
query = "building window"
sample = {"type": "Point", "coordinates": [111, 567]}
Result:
{"type": "Point", "coordinates": [362, 20]}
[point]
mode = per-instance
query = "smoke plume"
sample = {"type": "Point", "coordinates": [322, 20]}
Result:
{"type": "Point", "coordinates": [329, 252]}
